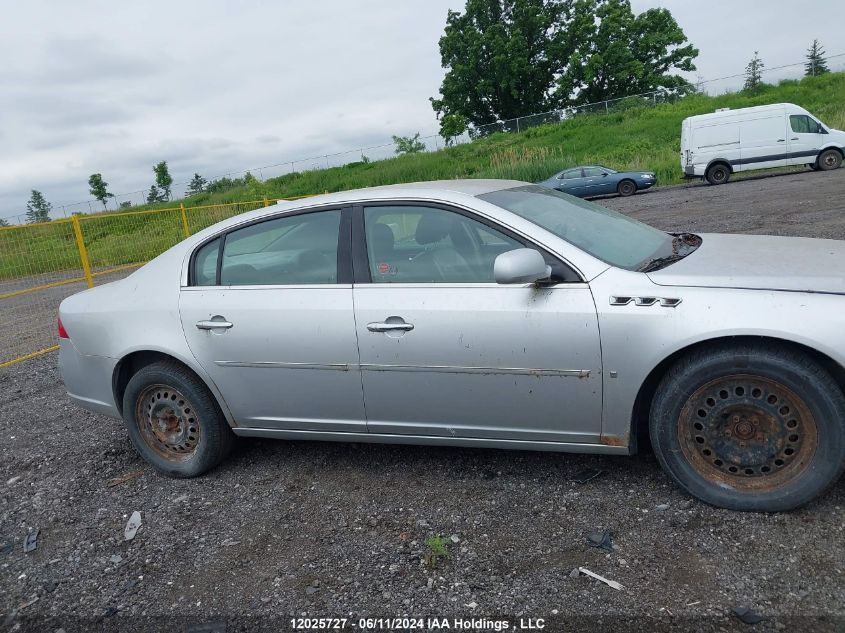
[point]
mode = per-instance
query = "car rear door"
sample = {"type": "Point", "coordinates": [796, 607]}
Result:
{"type": "Point", "coordinates": [445, 351]}
{"type": "Point", "coordinates": [268, 313]}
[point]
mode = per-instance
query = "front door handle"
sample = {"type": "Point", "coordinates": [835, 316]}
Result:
{"type": "Point", "coordinates": [388, 327]}
{"type": "Point", "coordinates": [213, 325]}
{"type": "Point", "coordinates": [781, 140]}
{"type": "Point", "coordinates": [794, 138]}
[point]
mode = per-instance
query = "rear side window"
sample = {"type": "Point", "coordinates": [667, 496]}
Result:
{"type": "Point", "coordinates": [205, 264]}
{"type": "Point", "coordinates": [299, 249]}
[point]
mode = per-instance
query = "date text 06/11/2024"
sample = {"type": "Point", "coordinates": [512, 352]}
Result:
{"type": "Point", "coordinates": [411, 623]}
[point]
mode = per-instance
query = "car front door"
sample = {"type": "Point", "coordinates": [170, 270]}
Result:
{"type": "Point", "coordinates": [268, 313]}
{"type": "Point", "coordinates": [597, 182]}
{"type": "Point", "coordinates": [806, 136]}
{"type": "Point", "coordinates": [445, 351]}
{"type": "Point", "coordinates": [572, 182]}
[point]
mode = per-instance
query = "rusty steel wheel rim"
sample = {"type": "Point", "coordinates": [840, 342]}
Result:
{"type": "Point", "coordinates": [168, 422]}
{"type": "Point", "coordinates": [626, 188]}
{"type": "Point", "coordinates": [749, 432]}
{"type": "Point", "coordinates": [829, 159]}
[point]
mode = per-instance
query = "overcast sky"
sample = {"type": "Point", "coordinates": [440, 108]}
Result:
{"type": "Point", "coordinates": [216, 87]}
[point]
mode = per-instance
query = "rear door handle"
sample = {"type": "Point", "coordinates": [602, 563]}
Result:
{"type": "Point", "coordinates": [794, 138]}
{"type": "Point", "coordinates": [781, 140]}
{"type": "Point", "coordinates": [387, 327]}
{"type": "Point", "coordinates": [213, 325]}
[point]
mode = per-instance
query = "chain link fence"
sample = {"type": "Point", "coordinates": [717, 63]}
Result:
{"type": "Point", "coordinates": [41, 264]}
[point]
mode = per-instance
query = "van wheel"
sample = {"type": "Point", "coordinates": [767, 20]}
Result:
{"type": "Point", "coordinates": [829, 159]}
{"type": "Point", "coordinates": [753, 427]}
{"type": "Point", "coordinates": [718, 174]}
{"type": "Point", "coordinates": [174, 422]}
{"type": "Point", "coordinates": [626, 188]}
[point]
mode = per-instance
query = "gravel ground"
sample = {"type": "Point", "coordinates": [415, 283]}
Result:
{"type": "Point", "coordinates": [290, 529]}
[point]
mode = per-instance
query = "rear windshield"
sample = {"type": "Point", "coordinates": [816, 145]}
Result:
{"type": "Point", "coordinates": [607, 235]}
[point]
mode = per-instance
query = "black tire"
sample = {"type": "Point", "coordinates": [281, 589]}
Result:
{"type": "Point", "coordinates": [190, 436]}
{"type": "Point", "coordinates": [729, 426]}
{"type": "Point", "coordinates": [718, 174]}
{"type": "Point", "coordinates": [626, 188]}
{"type": "Point", "coordinates": [829, 159]}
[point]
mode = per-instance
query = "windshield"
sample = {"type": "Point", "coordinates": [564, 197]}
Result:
{"type": "Point", "coordinates": [610, 236]}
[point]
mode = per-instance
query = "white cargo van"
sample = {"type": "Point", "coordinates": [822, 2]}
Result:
{"type": "Point", "coordinates": [718, 144]}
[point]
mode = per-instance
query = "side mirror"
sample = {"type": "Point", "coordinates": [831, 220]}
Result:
{"type": "Point", "coordinates": [604, 173]}
{"type": "Point", "coordinates": [520, 266]}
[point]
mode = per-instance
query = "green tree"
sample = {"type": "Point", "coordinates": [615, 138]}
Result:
{"type": "Point", "coordinates": [753, 73]}
{"type": "Point", "coordinates": [816, 63]}
{"type": "Point", "coordinates": [501, 57]}
{"type": "Point", "coordinates": [163, 179]}
{"type": "Point", "coordinates": [99, 188]}
{"type": "Point", "coordinates": [511, 58]}
{"type": "Point", "coordinates": [619, 54]}
{"type": "Point", "coordinates": [126, 204]}
{"type": "Point", "coordinates": [155, 195]}
{"type": "Point", "coordinates": [409, 144]}
{"type": "Point", "coordinates": [197, 185]}
{"type": "Point", "coordinates": [451, 126]}
{"type": "Point", "coordinates": [38, 209]}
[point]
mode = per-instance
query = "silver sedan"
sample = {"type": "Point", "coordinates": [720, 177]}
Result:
{"type": "Point", "coordinates": [479, 313]}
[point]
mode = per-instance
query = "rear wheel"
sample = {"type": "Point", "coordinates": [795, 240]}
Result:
{"type": "Point", "coordinates": [752, 427]}
{"type": "Point", "coordinates": [174, 422]}
{"type": "Point", "coordinates": [626, 188]}
{"type": "Point", "coordinates": [829, 159]}
{"type": "Point", "coordinates": [718, 174]}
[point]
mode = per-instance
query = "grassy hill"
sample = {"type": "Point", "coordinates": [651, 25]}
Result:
{"type": "Point", "coordinates": [643, 137]}
{"type": "Point", "coordinates": [639, 137]}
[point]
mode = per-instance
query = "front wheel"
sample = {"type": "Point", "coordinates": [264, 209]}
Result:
{"type": "Point", "coordinates": [626, 188]}
{"type": "Point", "coordinates": [174, 422]}
{"type": "Point", "coordinates": [829, 159]}
{"type": "Point", "coordinates": [750, 427]}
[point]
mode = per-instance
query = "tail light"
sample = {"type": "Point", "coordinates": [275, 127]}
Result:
{"type": "Point", "coordinates": [62, 331]}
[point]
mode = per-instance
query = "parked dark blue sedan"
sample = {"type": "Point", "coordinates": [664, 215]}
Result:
{"type": "Point", "coordinates": [597, 180]}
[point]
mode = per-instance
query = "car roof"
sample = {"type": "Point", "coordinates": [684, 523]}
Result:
{"type": "Point", "coordinates": [430, 189]}
{"type": "Point", "coordinates": [468, 186]}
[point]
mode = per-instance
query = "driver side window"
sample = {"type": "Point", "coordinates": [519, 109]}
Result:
{"type": "Point", "coordinates": [415, 244]}
{"type": "Point", "coordinates": [802, 124]}
{"type": "Point", "coordinates": [298, 249]}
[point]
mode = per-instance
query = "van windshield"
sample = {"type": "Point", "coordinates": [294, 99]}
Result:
{"type": "Point", "coordinates": [607, 235]}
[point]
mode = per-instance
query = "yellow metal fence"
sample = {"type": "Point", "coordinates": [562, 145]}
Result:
{"type": "Point", "coordinates": [41, 264]}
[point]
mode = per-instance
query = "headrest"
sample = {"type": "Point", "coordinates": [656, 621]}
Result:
{"type": "Point", "coordinates": [432, 228]}
{"type": "Point", "coordinates": [382, 238]}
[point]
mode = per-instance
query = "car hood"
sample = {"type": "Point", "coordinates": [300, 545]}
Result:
{"type": "Point", "coordinates": [761, 262]}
